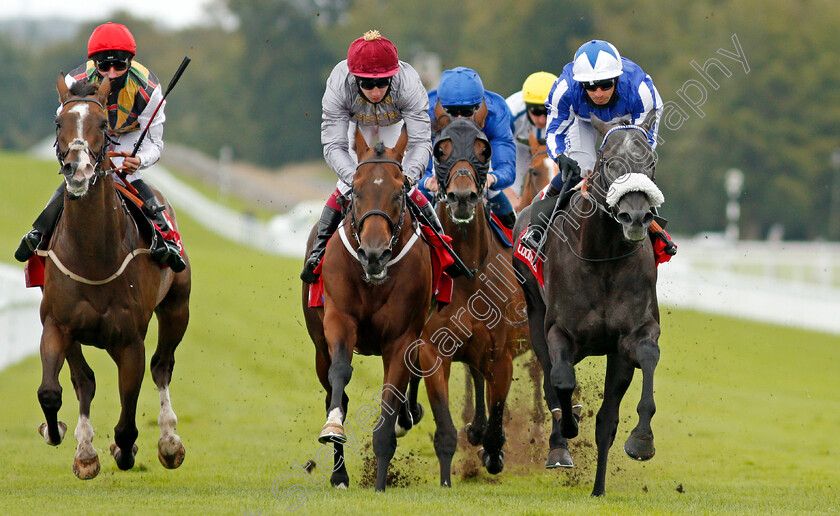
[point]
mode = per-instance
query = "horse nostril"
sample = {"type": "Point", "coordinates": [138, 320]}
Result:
{"type": "Point", "coordinates": [648, 218]}
{"type": "Point", "coordinates": [473, 198]}
{"type": "Point", "coordinates": [362, 255]}
{"type": "Point", "coordinates": [451, 198]}
{"type": "Point", "coordinates": [385, 257]}
{"type": "Point", "coordinates": [624, 218]}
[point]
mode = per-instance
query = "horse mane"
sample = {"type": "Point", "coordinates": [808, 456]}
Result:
{"type": "Point", "coordinates": [84, 88]}
{"type": "Point", "coordinates": [379, 148]}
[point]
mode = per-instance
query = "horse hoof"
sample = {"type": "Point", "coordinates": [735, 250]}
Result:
{"type": "Point", "coordinates": [494, 464]}
{"type": "Point", "coordinates": [420, 412]}
{"type": "Point", "coordinates": [169, 459]}
{"type": "Point", "coordinates": [639, 448]}
{"type": "Point", "coordinates": [86, 469]}
{"type": "Point", "coordinates": [123, 463]}
{"type": "Point", "coordinates": [43, 431]}
{"type": "Point", "coordinates": [474, 434]}
{"type": "Point", "coordinates": [340, 480]}
{"type": "Point", "coordinates": [332, 433]}
{"type": "Point", "coordinates": [559, 458]}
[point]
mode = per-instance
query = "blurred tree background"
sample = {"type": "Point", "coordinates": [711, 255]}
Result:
{"type": "Point", "coordinates": [256, 85]}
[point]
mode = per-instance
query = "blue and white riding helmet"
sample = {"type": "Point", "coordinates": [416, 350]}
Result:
{"type": "Point", "coordinates": [460, 87]}
{"type": "Point", "coordinates": [596, 60]}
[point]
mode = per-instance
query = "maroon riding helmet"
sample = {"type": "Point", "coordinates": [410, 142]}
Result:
{"type": "Point", "coordinates": [372, 56]}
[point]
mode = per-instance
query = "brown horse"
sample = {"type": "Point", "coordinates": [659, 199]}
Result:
{"type": "Point", "coordinates": [100, 289]}
{"type": "Point", "coordinates": [485, 323]}
{"type": "Point", "coordinates": [540, 171]}
{"type": "Point", "coordinates": [375, 300]}
{"type": "Point", "coordinates": [600, 290]}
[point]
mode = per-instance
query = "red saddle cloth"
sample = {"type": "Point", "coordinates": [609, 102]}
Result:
{"type": "Point", "coordinates": [441, 282]}
{"type": "Point", "coordinates": [526, 256]}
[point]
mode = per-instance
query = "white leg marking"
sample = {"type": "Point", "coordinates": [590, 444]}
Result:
{"type": "Point", "coordinates": [170, 441]}
{"type": "Point", "coordinates": [84, 436]}
{"type": "Point", "coordinates": [335, 416]}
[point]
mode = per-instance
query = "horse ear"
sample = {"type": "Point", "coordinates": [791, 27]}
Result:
{"type": "Point", "coordinates": [533, 143]}
{"type": "Point", "coordinates": [402, 142]}
{"type": "Point", "coordinates": [599, 125]}
{"type": "Point", "coordinates": [63, 90]}
{"type": "Point", "coordinates": [649, 121]}
{"type": "Point", "coordinates": [104, 90]}
{"type": "Point", "coordinates": [361, 144]}
{"type": "Point", "coordinates": [441, 118]}
{"type": "Point", "coordinates": [481, 115]}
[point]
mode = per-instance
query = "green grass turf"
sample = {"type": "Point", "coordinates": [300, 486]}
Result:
{"type": "Point", "coordinates": [747, 414]}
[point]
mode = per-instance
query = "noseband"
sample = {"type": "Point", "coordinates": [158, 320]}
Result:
{"type": "Point", "coordinates": [395, 228]}
{"type": "Point", "coordinates": [82, 145]}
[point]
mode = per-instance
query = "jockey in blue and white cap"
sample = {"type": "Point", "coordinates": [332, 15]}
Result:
{"type": "Point", "coordinates": [601, 82]}
{"type": "Point", "coordinates": [461, 94]}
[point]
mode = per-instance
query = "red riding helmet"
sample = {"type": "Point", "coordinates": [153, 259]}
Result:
{"type": "Point", "coordinates": [111, 36]}
{"type": "Point", "coordinates": [373, 56]}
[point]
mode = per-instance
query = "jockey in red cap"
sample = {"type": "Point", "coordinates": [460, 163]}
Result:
{"type": "Point", "coordinates": [135, 94]}
{"type": "Point", "coordinates": [374, 91]}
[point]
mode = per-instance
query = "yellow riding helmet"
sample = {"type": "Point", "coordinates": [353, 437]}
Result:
{"type": "Point", "coordinates": [536, 87]}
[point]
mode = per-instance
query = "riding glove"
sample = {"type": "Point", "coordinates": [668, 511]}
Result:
{"type": "Point", "coordinates": [568, 167]}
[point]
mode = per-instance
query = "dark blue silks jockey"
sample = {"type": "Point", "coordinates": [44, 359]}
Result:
{"type": "Point", "coordinates": [461, 94]}
{"type": "Point", "coordinates": [601, 82]}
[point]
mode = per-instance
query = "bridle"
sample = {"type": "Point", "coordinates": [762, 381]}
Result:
{"type": "Point", "coordinates": [443, 169]}
{"type": "Point", "coordinates": [82, 145]}
{"type": "Point", "coordinates": [601, 178]}
{"type": "Point", "coordinates": [394, 227]}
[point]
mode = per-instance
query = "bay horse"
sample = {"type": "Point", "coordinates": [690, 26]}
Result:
{"type": "Point", "coordinates": [540, 171]}
{"type": "Point", "coordinates": [485, 323]}
{"type": "Point", "coordinates": [375, 300]}
{"type": "Point", "coordinates": [600, 289]}
{"type": "Point", "coordinates": [100, 289]}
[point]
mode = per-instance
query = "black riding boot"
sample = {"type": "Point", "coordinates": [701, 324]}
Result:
{"type": "Point", "coordinates": [533, 237]}
{"type": "Point", "coordinates": [508, 220]}
{"type": "Point", "coordinates": [42, 227]}
{"type": "Point", "coordinates": [165, 251]}
{"type": "Point", "coordinates": [330, 218]}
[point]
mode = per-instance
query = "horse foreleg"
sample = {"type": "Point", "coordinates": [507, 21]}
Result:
{"type": "Point", "coordinates": [619, 375]}
{"type": "Point", "coordinates": [563, 379]}
{"type": "Point", "coordinates": [339, 477]}
{"type": "Point", "coordinates": [640, 443]}
{"type": "Point", "coordinates": [54, 347]}
{"type": "Point", "coordinates": [131, 361]}
{"type": "Point", "coordinates": [494, 436]}
{"type": "Point", "coordinates": [437, 388]}
{"type": "Point", "coordinates": [86, 462]}
{"type": "Point", "coordinates": [478, 425]}
{"type": "Point", "coordinates": [173, 315]}
{"type": "Point", "coordinates": [412, 411]}
{"type": "Point", "coordinates": [392, 398]}
{"type": "Point", "coordinates": [341, 336]}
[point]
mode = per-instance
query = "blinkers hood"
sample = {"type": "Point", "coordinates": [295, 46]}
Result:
{"type": "Point", "coordinates": [463, 133]}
